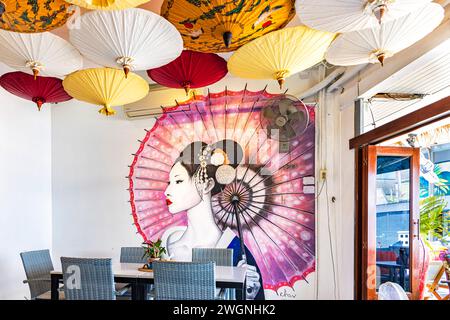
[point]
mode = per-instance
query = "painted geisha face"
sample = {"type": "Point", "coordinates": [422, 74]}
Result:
{"type": "Point", "coordinates": [181, 193]}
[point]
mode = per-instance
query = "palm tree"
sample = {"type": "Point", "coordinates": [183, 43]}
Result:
{"type": "Point", "coordinates": [433, 219]}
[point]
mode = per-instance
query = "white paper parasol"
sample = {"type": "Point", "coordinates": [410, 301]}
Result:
{"type": "Point", "coordinates": [39, 53]}
{"type": "Point", "coordinates": [351, 15]}
{"type": "Point", "coordinates": [383, 41]}
{"type": "Point", "coordinates": [130, 39]}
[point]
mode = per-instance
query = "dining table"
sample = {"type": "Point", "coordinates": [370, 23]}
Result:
{"type": "Point", "coordinates": [393, 266]}
{"type": "Point", "coordinates": [226, 277]}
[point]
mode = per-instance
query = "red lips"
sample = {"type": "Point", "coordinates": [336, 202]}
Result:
{"type": "Point", "coordinates": [168, 202]}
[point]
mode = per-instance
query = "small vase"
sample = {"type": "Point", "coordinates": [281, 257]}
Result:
{"type": "Point", "coordinates": [150, 262]}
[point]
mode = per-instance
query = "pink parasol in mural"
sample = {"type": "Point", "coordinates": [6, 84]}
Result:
{"type": "Point", "coordinates": [275, 188]}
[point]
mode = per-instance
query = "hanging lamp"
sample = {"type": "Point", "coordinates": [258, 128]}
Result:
{"type": "Point", "coordinates": [190, 70]}
{"type": "Point", "coordinates": [130, 39]}
{"type": "Point", "coordinates": [106, 87]}
{"type": "Point", "coordinates": [383, 41]}
{"type": "Point", "coordinates": [40, 91]}
{"type": "Point", "coordinates": [223, 25]}
{"type": "Point", "coordinates": [280, 54]}
{"type": "Point", "coordinates": [39, 53]}
{"type": "Point", "coordinates": [351, 15]}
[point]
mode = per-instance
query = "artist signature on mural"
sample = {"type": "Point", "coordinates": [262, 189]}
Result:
{"type": "Point", "coordinates": [287, 294]}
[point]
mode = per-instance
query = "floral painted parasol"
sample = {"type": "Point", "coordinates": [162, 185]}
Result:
{"type": "Point", "coordinates": [277, 204]}
{"type": "Point", "coordinates": [31, 16]}
{"type": "Point", "coordinates": [225, 25]}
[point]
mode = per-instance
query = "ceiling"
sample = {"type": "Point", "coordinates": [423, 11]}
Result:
{"type": "Point", "coordinates": [431, 78]}
{"type": "Point", "coordinates": [154, 5]}
{"type": "Point", "coordinates": [151, 105]}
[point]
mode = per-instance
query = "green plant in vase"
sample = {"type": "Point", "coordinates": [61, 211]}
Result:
{"type": "Point", "coordinates": [153, 251]}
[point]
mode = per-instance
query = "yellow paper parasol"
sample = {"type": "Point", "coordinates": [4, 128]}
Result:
{"type": "Point", "coordinates": [225, 25]}
{"type": "Point", "coordinates": [106, 87]}
{"type": "Point", "coordinates": [33, 16]}
{"type": "Point", "coordinates": [281, 53]}
{"type": "Point", "coordinates": [107, 4]}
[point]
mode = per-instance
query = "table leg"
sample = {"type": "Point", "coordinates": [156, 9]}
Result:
{"type": "Point", "coordinates": [134, 290]}
{"type": "Point", "coordinates": [402, 277]}
{"type": "Point", "coordinates": [241, 293]}
{"type": "Point", "coordinates": [54, 287]}
{"type": "Point", "coordinates": [139, 291]}
{"type": "Point", "coordinates": [392, 274]}
{"type": "Point", "coordinates": [144, 291]}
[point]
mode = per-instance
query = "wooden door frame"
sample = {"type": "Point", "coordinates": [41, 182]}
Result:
{"type": "Point", "coordinates": [371, 153]}
{"type": "Point", "coordinates": [424, 116]}
{"type": "Point", "coordinates": [432, 113]}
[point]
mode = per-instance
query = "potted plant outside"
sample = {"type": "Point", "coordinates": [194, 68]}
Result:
{"type": "Point", "coordinates": [432, 221]}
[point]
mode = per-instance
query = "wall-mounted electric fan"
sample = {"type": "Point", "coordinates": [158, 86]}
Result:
{"type": "Point", "coordinates": [285, 117]}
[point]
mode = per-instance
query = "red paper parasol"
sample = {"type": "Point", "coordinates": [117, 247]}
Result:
{"type": "Point", "coordinates": [190, 70]}
{"type": "Point", "coordinates": [42, 90]}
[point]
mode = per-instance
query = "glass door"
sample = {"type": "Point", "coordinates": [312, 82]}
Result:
{"type": "Point", "coordinates": [391, 245]}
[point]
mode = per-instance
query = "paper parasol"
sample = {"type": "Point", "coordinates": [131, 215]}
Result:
{"type": "Point", "coordinates": [40, 91]}
{"type": "Point", "coordinates": [352, 15]}
{"type": "Point", "coordinates": [383, 41]}
{"type": "Point", "coordinates": [39, 53]}
{"type": "Point", "coordinates": [280, 54]}
{"type": "Point", "coordinates": [107, 4]}
{"type": "Point", "coordinates": [223, 25]}
{"type": "Point", "coordinates": [33, 16]}
{"type": "Point", "coordinates": [190, 70]}
{"type": "Point", "coordinates": [277, 216]}
{"type": "Point", "coordinates": [132, 39]}
{"type": "Point", "coordinates": [105, 87]}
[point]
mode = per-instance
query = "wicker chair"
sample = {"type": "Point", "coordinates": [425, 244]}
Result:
{"type": "Point", "coordinates": [88, 279]}
{"type": "Point", "coordinates": [132, 255]}
{"type": "Point", "coordinates": [447, 274]}
{"type": "Point", "coordinates": [184, 280]}
{"type": "Point", "coordinates": [447, 266]}
{"type": "Point", "coordinates": [38, 265]}
{"type": "Point", "coordinates": [222, 257]}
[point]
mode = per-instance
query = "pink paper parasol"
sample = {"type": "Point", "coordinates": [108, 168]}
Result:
{"type": "Point", "coordinates": [276, 212]}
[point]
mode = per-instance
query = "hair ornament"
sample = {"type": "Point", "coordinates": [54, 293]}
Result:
{"type": "Point", "coordinates": [219, 157]}
{"type": "Point", "coordinates": [225, 173]}
{"type": "Point", "coordinates": [204, 156]}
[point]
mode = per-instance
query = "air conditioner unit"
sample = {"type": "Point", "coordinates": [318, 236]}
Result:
{"type": "Point", "coordinates": [159, 97]}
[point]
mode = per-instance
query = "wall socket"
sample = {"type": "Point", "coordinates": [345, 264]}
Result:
{"type": "Point", "coordinates": [323, 174]}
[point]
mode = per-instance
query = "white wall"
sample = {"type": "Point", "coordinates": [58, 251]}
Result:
{"type": "Point", "coordinates": [67, 190]}
{"type": "Point", "coordinates": [25, 188]}
{"type": "Point", "coordinates": [335, 204]}
{"type": "Point", "coordinates": [345, 208]}
{"type": "Point", "coordinates": [91, 154]}
{"type": "Point", "coordinates": [91, 213]}
{"type": "Point", "coordinates": [341, 161]}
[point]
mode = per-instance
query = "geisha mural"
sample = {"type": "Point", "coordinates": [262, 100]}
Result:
{"type": "Point", "coordinates": [209, 175]}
